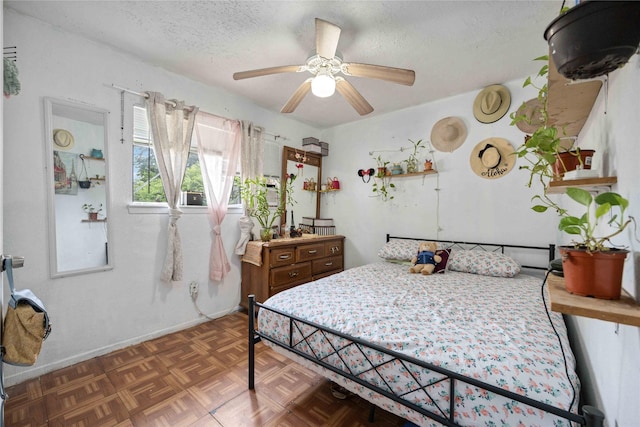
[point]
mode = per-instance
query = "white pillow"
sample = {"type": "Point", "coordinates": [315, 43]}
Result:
{"type": "Point", "coordinates": [482, 262]}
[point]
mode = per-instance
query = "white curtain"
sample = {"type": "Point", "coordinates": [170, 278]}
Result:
{"type": "Point", "coordinates": [252, 166]}
{"type": "Point", "coordinates": [219, 152]}
{"type": "Point", "coordinates": [172, 127]}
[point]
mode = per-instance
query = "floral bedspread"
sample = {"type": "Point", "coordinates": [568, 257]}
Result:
{"type": "Point", "coordinates": [491, 329]}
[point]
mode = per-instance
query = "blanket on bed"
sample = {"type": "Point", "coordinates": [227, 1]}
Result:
{"type": "Point", "coordinates": [489, 328]}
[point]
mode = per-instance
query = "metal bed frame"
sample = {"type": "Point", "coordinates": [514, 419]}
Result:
{"type": "Point", "coordinates": [590, 416]}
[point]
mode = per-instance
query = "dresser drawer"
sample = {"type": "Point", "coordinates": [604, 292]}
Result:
{"type": "Point", "coordinates": [309, 252]}
{"type": "Point", "coordinates": [282, 256]}
{"type": "Point", "coordinates": [334, 247]}
{"type": "Point", "coordinates": [281, 276]}
{"type": "Point", "coordinates": [326, 264]}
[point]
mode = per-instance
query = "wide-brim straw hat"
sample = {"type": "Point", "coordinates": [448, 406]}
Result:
{"type": "Point", "coordinates": [491, 103]}
{"type": "Point", "coordinates": [62, 139]}
{"type": "Point", "coordinates": [492, 158]}
{"type": "Point", "coordinates": [448, 134]}
{"type": "Point", "coordinates": [532, 110]}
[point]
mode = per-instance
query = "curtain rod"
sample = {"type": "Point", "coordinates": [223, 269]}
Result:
{"type": "Point", "coordinates": [146, 95]}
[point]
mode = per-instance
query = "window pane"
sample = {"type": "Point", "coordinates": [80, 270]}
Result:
{"type": "Point", "coordinates": [147, 184]}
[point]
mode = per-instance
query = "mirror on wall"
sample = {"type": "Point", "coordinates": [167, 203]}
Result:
{"type": "Point", "coordinates": [307, 201]}
{"type": "Point", "coordinates": [78, 187]}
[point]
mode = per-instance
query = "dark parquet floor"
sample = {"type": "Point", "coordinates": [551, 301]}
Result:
{"type": "Point", "coordinates": [193, 378]}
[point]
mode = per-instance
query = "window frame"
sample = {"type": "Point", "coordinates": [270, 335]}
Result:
{"type": "Point", "coordinates": [161, 207]}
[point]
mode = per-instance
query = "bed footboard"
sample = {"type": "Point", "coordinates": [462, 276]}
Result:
{"type": "Point", "coordinates": [374, 379]}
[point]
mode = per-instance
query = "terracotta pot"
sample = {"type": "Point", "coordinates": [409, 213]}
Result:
{"type": "Point", "coordinates": [93, 216]}
{"type": "Point", "coordinates": [594, 38]}
{"type": "Point", "coordinates": [570, 161]}
{"type": "Point", "coordinates": [593, 274]}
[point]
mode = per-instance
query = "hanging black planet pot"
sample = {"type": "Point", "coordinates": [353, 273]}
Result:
{"type": "Point", "coordinates": [594, 38]}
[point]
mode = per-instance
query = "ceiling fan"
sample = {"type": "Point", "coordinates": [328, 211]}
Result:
{"type": "Point", "coordinates": [325, 65]}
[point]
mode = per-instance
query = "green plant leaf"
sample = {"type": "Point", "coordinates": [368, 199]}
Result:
{"type": "Point", "coordinates": [614, 199]}
{"type": "Point", "coordinates": [570, 221]}
{"type": "Point", "coordinates": [579, 195]}
{"type": "Point", "coordinates": [539, 208]}
{"type": "Point", "coordinates": [572, 230]}
{"type": "Point", "coordinates": [602, 210]}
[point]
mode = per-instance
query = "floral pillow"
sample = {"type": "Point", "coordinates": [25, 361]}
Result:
{"type": "Point", "coordinates": [482, 262]}
{"type": "Point", "coordinates": [401, 249]}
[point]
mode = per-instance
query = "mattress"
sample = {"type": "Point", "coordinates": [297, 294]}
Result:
{"type": "Point", "coordinates": [491, 329]}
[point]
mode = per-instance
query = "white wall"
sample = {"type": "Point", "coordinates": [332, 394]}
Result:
{"type": "Point", "coordinates": [474, 209]}
{"type": "Point", "coordinates": [466, 207]}
{"type": "Point", "coordinates": [610, 353]}
{"type": "Point", "coordinates": [96, 313]}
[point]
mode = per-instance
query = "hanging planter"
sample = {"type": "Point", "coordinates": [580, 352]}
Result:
{"type": "Point", "coordinates": [594, 38]}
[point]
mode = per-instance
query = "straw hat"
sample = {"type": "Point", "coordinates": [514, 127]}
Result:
{"type": "Point", "coordinates": [491, 103]}
{"type": "Point", "coordinates": [448, 134]}
{"type": "Point", "coordinates": [62, 139]}
{"type": "Point", "coordinates": [492, 158]}
{"type": "Point", "coordinates": [532, 111]}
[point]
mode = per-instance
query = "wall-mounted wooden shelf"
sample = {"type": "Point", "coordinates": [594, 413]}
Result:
{"type": "Point", "coordinates": [569, 103]}
{"type": "Point", "coordinates": [94, 220]}
{"type": "Point", "coordinates": [589, 184]}
{"type": "Point", "coordinates": [405, 175]}
{"type": "Point", "coordinates": [626, 310]}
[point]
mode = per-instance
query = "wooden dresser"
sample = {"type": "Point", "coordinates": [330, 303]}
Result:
{"type": "Point", "coordinates": [271, 267]}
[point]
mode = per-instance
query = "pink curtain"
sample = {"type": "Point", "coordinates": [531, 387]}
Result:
{"type": "Point", "coordinates": [172, 127]}
{"type": "Point", "coordinates": [219, 152]}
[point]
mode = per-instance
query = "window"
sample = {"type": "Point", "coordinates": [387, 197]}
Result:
{"type": "Point", "coordinates": [147, 184]}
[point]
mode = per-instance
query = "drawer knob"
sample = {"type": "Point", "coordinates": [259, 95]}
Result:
{"type": "Point", "coordinates": [312, 251]}
{"type": "Point", "coordinates": [293, 274]}
{"type": "Point", "coordinates": [287, 256]}
{"type": "Point", "coordinates": [335, 249]}
{"type": "Point", "coordinates": [328, 264]}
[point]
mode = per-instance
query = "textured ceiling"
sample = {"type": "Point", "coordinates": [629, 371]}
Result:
{"type": "Point", "coordinates": [453, 46]}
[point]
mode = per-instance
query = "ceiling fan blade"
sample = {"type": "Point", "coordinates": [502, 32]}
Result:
{"type": "Point", "coordinates": [353, 97]}
{"type": "Point", "coordinates": [395, 75]}
{"type": "Point", "coordinates": [297, 96]}
{"type": "Point", "coordinates": [266, 71]}
{"type": "Point", "coordinates": [327, 36]}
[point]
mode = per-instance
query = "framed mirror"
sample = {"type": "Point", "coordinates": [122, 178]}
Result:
{"type": "Point", "coordinates": [307, 200]}
{"type": "Point", "coordinates": [78, 187]}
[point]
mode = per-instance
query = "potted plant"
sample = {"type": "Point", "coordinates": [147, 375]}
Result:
{"type": "Point", "coordinates": [92, 211]}
{"type": "Point", "coordinates": [382, 181]}
{"type": "Point", "coordinates": [412, 161]}
{"type": "Point", "coordinates": [546, 152]}
{"type": "Point", "coordinates": [580, 52]}
{"type": "Point", "coordinates": [256, 194]}
{"type": "Point", "coordinates": [590, 267]}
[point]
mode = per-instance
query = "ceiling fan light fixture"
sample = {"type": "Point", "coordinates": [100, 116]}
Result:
{"type": "Point", "coordinates": [323, 84]}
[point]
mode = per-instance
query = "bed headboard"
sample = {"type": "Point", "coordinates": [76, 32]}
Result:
{"type": "Point", "coordinates": [538, 257]}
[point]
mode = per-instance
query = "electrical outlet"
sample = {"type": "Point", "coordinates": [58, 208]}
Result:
{"type": "Point", "coordinates": [193, 289]}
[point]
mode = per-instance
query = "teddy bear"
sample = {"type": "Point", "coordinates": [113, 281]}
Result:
{"type": "Point", "coordinates": [426, 259]}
